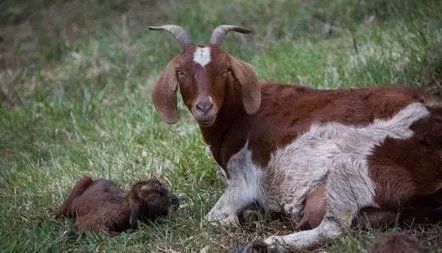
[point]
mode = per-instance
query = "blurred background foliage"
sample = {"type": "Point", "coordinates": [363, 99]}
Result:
{"type": "Point", "coordinates": [75, 82]}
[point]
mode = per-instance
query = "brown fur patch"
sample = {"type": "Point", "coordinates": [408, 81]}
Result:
{"type": "Point", "coordinates": [101, 206]}
{"type": "Point", "coordinates": [405, 170]}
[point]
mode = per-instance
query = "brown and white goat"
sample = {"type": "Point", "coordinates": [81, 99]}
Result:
{"type": "Point", "coordinates": [377, 148]}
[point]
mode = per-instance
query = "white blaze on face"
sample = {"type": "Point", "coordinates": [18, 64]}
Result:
{"type": "Point", "coordinates": [202, 56]}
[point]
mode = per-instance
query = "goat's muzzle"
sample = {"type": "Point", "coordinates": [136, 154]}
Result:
{"type": "Point", "coordinates": [204, 107]}
{"type": "Point", "coordinates": [205, 113]}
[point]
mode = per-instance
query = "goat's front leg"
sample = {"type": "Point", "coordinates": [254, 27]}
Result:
{"type": "Point", "coordinates": [244, 188]}
{"type": "Point", "coordinates": [235, 198]}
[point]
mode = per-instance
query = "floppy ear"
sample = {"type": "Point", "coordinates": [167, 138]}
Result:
{"type": "Point", "coordinates": [250, 89]}
{"type": "Point", "coordinates": [164, 95]}
{"type": "Point", "coordinates": [145, 190]}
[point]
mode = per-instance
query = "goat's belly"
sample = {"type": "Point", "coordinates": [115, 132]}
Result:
{"type": "Point", "coordinates": [290, 197]}
{"type": "Point", "coordinates": [294, 172]}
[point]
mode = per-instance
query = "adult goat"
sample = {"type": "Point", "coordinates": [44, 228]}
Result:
{"type": "Point", "coordinates": [373, 147]}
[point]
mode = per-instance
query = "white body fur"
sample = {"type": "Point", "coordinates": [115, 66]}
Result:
{"type": "Point", "coordinates": [244, 187]}
{"type": "Point", "coordinates": [331, 153]}
{"type": "Point", "coordinates": [202, 56]}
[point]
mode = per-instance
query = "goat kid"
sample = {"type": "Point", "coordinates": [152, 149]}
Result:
{"type": "Point", "coordinates": [100, 206]}
{"type": "Point", "coordinates": [370, 147]}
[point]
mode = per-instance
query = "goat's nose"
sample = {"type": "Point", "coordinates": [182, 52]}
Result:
{"type": "Point", "coordinates": [204, 107]}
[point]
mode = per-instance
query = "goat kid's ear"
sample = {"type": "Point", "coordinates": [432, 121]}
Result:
{"type": "Point", "coordinates": [250, 89]}
{"type": "Point", "coordinates": [164, 95]}
{"type": "Point", "coordinates": [145, 190]}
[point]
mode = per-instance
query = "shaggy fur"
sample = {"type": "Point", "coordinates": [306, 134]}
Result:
{"type": "Point", "coordinates": [100, 206]}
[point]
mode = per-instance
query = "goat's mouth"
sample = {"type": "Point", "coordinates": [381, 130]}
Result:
{"type": "Point", "coordinates": [205, 118]}
{"type": "Point", "coordinates": [205, 121]}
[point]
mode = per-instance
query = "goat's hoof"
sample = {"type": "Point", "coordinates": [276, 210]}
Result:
{"type": "Point", "coordinates": [213, 219]}
{"type": "Point", "coordinates": [276, 244]}
{"type": "Point", "coordinates": [229, 221]}
{"type": "Point", "coordinates": [70, 234]}
{"type": "Point", "coordinates": [223, 219]}
{"type": "Point", "coordinates": [131, 230]}
{"type": "Point", "coordinates": [255, 247]}
{"type": "Point", "coordinates": [175, 202]}
{"type": "Point", "coordinates": [249, 217]}
{"type": "Point", "coordinates": [205, 249]}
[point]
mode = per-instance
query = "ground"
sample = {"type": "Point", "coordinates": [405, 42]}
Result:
{"type": "Point", "coordinates": [75, 82]}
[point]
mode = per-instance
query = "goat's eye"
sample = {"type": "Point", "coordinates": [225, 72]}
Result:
{"type": "Point", "coordinates": [226, 70]}
{"type": "Point", "coordinates": [180, 72]}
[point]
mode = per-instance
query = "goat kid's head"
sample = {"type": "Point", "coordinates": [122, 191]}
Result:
{"type": "Point", "coordinates": [203, 73]}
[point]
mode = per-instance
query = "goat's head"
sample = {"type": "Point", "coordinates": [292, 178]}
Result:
{"type": "Point", "coordinates": [203, 73]}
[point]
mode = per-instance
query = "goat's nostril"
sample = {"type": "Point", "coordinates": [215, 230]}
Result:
{"type": "Point", "coordinates": [204, 106]}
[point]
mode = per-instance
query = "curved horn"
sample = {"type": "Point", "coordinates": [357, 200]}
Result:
{"type": "Point", "coordinates": [177, 31]}
{"type": "Point", "coordinates": [221, 31]}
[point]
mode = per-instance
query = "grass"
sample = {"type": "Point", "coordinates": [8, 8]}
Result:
{"type": "Point", "coordinates": [76, 100]}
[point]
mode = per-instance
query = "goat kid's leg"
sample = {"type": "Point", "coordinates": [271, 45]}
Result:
{"type": "Point", "coordinates": [65, 209]}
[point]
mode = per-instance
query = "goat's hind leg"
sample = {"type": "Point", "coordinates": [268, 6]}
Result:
{"type": "Point", "coordinates": [328, 229]}
{"type": "Point", "coordinates": [348, 189]}
{"type": "Point", "coordinates": [78, 189]}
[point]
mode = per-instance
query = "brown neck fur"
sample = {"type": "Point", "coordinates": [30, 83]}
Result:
{"type": "Point", "coordinates": [218, 136]}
